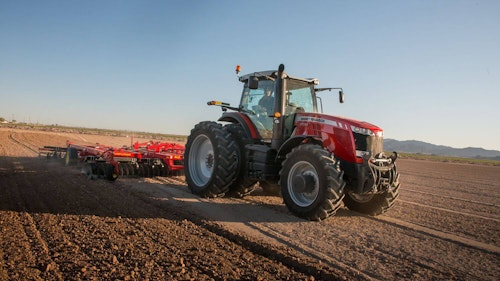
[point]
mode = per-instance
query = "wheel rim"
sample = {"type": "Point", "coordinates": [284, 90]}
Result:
{"type": "Point", "coordinates": [201, 160]}
{"type": "Point", "coordinates": [300, 195]}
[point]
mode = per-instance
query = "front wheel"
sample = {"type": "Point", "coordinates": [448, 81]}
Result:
{"type": "Point", "coordinates": [311, 182]}
{"type": "Point", "coordinates": [210, 160]}
{"type": "Point", "coordinates": [374, 204]}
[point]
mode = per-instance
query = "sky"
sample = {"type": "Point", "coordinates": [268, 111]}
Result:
{"type": "Point", "coordinates": [421, 70]}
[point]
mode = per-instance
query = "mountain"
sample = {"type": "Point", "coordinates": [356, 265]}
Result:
{"type": "Point", "coordinates": [413, 146]}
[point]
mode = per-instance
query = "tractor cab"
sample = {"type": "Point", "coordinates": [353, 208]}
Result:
{"type": "Point", "coordinates": [270, 101]}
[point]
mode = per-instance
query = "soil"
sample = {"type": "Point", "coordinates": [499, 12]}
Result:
{"type": "Point", "coordinates": [56, 224]}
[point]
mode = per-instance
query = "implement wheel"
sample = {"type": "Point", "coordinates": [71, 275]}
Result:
{"type": "Point", "coordinates": [71, 156]}
{"type": "Point", "coordinates": [109, 172]}
{"type": "Point", "coordinates": [89, 170]}
{"type": "Point", "coordinates": [210, 160]}
{"type": "Point", "coordinates": [311, 182]}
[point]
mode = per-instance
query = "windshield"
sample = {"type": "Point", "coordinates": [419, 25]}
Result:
{"type": "Point", "coordinates": [260, 102]}
{"type": "Point", "coordinates": [299, 95]}
{"type": "Point", "coordinates": [253, 100]}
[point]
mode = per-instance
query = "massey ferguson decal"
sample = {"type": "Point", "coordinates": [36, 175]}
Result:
{"type": "Point", "coordinates": [322, 121]}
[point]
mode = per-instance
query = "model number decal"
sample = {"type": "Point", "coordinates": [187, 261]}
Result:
{"type": "Point", "coordinates": [322, 121]}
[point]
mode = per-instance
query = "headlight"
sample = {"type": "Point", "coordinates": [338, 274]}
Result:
{"type": "Point", "coordinates": [362, 131]}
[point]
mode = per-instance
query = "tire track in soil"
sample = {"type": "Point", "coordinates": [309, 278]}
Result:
{"type": "Point", "coordinates": [327, 257]}
{"type": "Point", "coordinates": [17, 256]}
{"type": "Point", "coordinates": [485, 247]}
{"type": "Point", "coordinates": [26, 147]}
{"type": "Point", "coordinates": [32, 231]}
{"type": "Point", "coordinates": [384, 255]}
{"type": "Point", "coordinates": [38, 246]}
{"type": "Point", "coordinates": [301, 263]}
{"type": "Point", "coordinates": [99, 238]}
{"type": "Point", "coordinates": [3, 151]}
{"type": "Point", "coordinates": [38, 258]}
{"type": "Point", "coordinates": [497, 220]}
{"type": "Point", "coordinates": [104, 236]}
{"type": "Point", "coordinates": [219, 232]}
{"type": "Point", "coordinates": [452, 198]}
{"type": "Point", "coordinates": [440, 178]}
{"type": "Point", "coordinates": [467, 214]}
{"type": "Point", "coordinates": [381, 253]}
{"type": "Point", "coordinates": [148, 240]}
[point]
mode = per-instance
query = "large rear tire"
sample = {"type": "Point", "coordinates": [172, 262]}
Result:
{"type": "Point", "coordinates": [242, 185]}
{"type": "Point", "coordinates": [311, 182]}
{"type": "Point", "coordinates": [210, 160]}
{"type": "Point", "coordinates": [374, 204]}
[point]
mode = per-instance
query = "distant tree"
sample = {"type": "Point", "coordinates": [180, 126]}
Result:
{"type": "Point", "coordinates": [2, 119]}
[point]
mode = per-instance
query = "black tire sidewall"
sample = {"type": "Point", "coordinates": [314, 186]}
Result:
{"type": "Point", "coordinates": [329, 179]}
{"type": "Point", "coordinates": [225, 160]}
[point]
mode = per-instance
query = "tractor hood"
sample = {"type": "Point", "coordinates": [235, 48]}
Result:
{"type": "Point", "coordinates": [342, 123]}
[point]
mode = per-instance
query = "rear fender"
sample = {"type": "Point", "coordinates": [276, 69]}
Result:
{"type": "Point", "coordinates": [246, 123]}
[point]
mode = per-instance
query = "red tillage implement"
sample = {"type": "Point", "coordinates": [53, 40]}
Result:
{"type": "Point", "coordinates": [142, 159]}
{"type": "Point", "coordinates": [98, 160]}
{"type": "Point", "coordinates": [163, 158]}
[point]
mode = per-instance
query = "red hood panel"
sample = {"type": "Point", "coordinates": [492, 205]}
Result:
{"type": "Point", "coordinates": [342, 121]}
{"type": "Point", "coordinates": [360, 124]}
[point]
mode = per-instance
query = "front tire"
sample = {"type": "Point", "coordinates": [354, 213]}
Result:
{"type": "Point", "coordinates": [374, 204]}
{"type": "Point", "coordinates": [311, 182]}
{"type": "Point", "coordinates": [210, 160]}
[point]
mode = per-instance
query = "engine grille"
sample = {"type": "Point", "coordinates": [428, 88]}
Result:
{"type": "Point", "coordinates": [372, 144]}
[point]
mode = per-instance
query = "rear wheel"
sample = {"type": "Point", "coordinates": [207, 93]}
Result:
{"type": "Point", "coordinates": [311, 182]}
{"type": "Point", "coordinates": [210, 160]}
{"type": "Point", "coordinates": [242, 186]}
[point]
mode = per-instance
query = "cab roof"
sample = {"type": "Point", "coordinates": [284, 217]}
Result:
{"type": "Point", "coordinates": [273, 74]}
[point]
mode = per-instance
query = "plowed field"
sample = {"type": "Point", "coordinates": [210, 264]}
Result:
{"type": "Point", "coordinates": [56, 224]}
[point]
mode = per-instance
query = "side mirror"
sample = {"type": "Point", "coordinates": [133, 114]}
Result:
{"type": "Point", "coordinates": [341, 96]}
{"type": "Point", "coordinates": [253, 83]}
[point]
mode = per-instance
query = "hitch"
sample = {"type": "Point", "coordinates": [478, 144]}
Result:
{"type": "Point", "coordinates": [382, 171]}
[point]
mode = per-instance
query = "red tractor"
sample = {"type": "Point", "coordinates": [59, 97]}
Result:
{"type": "Point", "coordinates": [278, 138]}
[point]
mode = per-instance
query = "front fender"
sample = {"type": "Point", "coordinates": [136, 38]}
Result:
{"type": "Point", "coordinates": [294, 142]}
